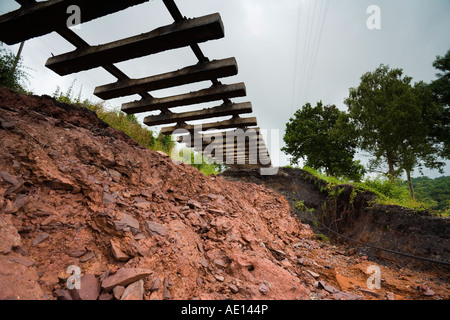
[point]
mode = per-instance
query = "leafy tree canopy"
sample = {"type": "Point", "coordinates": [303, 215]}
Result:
{"type": "Point", "coordinates": [311, 135]}
{"type": "Point", "coordinates": [441, 91]}
{"type": "Point", "coordinates": [393, 121]}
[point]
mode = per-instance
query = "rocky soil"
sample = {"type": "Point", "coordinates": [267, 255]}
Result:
{"type": "Point", "coordinates": [77, 195]}
{"type": "Point", "coordinates": [354, 214]}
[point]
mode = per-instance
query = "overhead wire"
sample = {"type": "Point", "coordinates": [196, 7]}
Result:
{"type": "Point", "coordinates": [309, 57]}
{"type": "Point", "coordinates": [313, 37]}
{"type": "Point", "coordinates": [296, 58]}
{"type": "Point", "coordinates": [315, 15]}
{"type": "Point", "coordinates": [305, 52]}
{"type": "Point", "coordinates": [323, 17]}
{"type": "Point", "coordinates": [87, 78]}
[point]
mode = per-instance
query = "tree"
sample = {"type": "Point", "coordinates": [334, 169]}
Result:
{"type": "Point", "coordinates": [441, 86]}
{"type": "Point", "coordinates": [393, 121]}
{"type": "Point", "coordinates": [441, 91]}
{"type": "Point", "coordinates": [312, 135]}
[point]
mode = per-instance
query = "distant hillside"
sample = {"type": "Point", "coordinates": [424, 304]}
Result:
{"type": "Point", "coordinates": [435, 191]}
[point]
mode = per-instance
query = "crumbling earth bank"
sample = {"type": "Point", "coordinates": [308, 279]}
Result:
{"type": "Point", "coordinates": [77, 194]}
{"type": "Point", "coordinates": [73, 191]}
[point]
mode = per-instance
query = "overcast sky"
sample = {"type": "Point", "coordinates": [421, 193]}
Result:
{"type": "Point", "coordinates": [288, 51]}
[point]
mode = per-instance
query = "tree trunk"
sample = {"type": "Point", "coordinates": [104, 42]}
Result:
{"type": "Point", "coordinates": [391, 171]}
{"type": "Point", "coordinates": [411, 188]}
{"type": "Point", "coordinates": [329, 171]}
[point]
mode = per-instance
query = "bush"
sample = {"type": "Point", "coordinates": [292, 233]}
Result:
{"type": "Point", "coordinates": [9, 77]}
{"type": "Point", "coordinates": [392, 192]}
{"type": "Point", "coordinates": [198, 161]}
{"type": "Point", "coordinates": [388, 192]}
{"type": "Point", "coordinates": [128, 124]}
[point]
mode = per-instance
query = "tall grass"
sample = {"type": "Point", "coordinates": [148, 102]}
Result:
{"type": "Point", "coordinates": [197, 160]}
{"type": "Point", "coordinates": [388, 192]}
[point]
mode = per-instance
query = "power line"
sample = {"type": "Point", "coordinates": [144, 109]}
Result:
{"type": "Point", "coordinates": [323, 17]}
{"type": "Point", "coordinates": [315, 18]}
{"type": "Point", "coordinates": [310, 52]}
{"type": "Point", "coordinates": [297, 40]}
{"type": "Point", "coordinates": [308, 71]}
{"type": "Point", "coordinates": [91, 81]}
{"type": "Point", "coordinates": [304, 56]}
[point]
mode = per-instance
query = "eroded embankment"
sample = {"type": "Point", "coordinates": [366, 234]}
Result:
{"type": "Point", "coordinates": [75, 192]}
{"type": "Point", "coordinates": [349, 212]}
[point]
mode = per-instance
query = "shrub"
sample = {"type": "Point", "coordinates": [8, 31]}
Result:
{"type": "Point", "coordinates": [12, 77]}
{"type": "Point", "coordinates": [388, 192]}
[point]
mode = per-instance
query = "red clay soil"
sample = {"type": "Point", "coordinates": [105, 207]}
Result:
{"type": "Point", "coordinates": [75, 192]}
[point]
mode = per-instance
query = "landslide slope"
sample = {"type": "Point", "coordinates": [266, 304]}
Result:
{"type": "Point", "coordinates": [74, 191]}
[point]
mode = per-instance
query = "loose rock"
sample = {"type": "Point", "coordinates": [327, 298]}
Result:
{"type": "Point", "coordinates": [127, 221]}
{"type": "Point", "coordinates": [233, 288]}
{"type": "Point", "coordinates": [155, 229]}
{"type": "Point", "coordinates": [88, 256]}
{"type": "Point", "coordinates": [134, 291]}
{"type": "Point", "coordinates": [84, 183]}
{"type": "Point", "coordinates": [264, 289]}
{"type": "Point", "coordinates": [328, 288]}
{"type": "Point", "coordinates": [9, 178]}
{"type": "Point", "coordinates": [106, 296]}
{"type": "Point", "coordinates": [77, 253]}
{"type": "Point", "coordinates": [156, 285]}
{"type": "Point", "coordinates": [118, 254]}
{"type": "Point", "coordinates": [9, 237]}
{"type": "Point", "coordinates": [62, 294]}
{"type": "Point", "coordinates": [89, 288]}
{"type": "Point", "coordinates": [313, 274]}
{"type": "Point", "coordinates": [125, 276]}
{"type": "Point", "coordinates": [166, 292]}
{"type": "Point", "coordinates": [40, 237]}
{"type": "Point", "coordinates": [118, 291]}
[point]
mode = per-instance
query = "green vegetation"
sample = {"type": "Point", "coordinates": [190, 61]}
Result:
{"type": "Point", "coordinates": [402, 125]}
{"type": "Point", "coordinates": [435, 192]}
{"type": "Point", "coordinates": [12, 72]}
{"type": "Point", "coordinates": [321, 237]}
{"type": "Point", "coordinates": [441, 91]}
{"type": "Point", "coordinates": [393, 121]}
{"type": "Point", "coordinates": [312, 135]}
{"type": "Point", "coordinates": [197, 160]}
{"type": "Point", "coordinates": [130, 125]}
{"type": "Point", "coordinates": [388, 191]}
{"type": "Point", "coordinates": [300, 205]}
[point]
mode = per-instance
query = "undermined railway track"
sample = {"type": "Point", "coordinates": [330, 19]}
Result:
{"type": "Point", "coordinates": [235, 141]}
